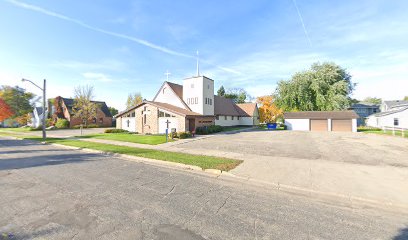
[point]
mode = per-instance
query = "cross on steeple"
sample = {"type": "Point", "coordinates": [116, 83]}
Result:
{"type": "Point", "coordinates": [167, 75]}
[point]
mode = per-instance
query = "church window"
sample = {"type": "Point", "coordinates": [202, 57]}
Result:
{"type": "Point", "coordinates": [206, 100]}
{"type": "Point", "coordinates": [161, 114]}
{"type": "Point", "coordinates": [210, 101]}
{"type": "Point", "coordinates": [128, 123]}
{"type": "Point", "coordinates": [144, 119]}
{"type": "Point", "coordinates": [226, 118]}
{"type": "Point", "coordinates": [196, 100]}
{"type": "Point", "coordinates": [164, 90]}
{"type": "Point", "coordinates": [232, 117]}
{"type": "Point", "coordinates": [133, 114]}
{"type": "Point", "coordinates": [208, 86]}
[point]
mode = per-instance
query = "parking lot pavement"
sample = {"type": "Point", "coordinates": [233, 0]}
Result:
{"type": "Point", "coordinates": [49, 192]}
{"type": "Point", "coordinates": [370, 167]}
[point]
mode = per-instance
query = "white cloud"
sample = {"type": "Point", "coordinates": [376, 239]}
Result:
{"type": "Point", "coordinates": [100, 77]}
{"type": "Point", "coordinates": [107, 32]}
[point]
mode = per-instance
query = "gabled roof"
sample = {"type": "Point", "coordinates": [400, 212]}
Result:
{"type": "Point", "coordinates": [247, 108]}
{"type": "Point", "coordinates": [225, 107]}
{"type": "Point", "coordinates": [164, 106]}
{"type": "Point", "coordinates": [349, 114]}
{"type": "Point", "coordinates": [380, 114]}
{"type": "Point", "coordinates": [177, 89]}
{"type": "Point", "coordinates": [395, 103]}
{"type": "Point", "coordinates": [69, 103]}
{"type": "Point", "coordinates": [39, 110]}
{"type": "Point", "coordinates": [364, 105]}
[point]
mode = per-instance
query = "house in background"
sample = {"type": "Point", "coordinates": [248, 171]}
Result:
{"type": "Point", "coordinates": [364, 109]}
{"type": "Point", "coordinates": [186, 107]}
{"type": "Point", "coordinates": [36, 117]}
{"type": "Point", "coordinates": [395, 115]}
{"type": "Point", "coordinates": [388, 105]}
{"type": "Point", "coordinates": [103, 116]}
{"type": "Point", "coordinates": [336, 121]}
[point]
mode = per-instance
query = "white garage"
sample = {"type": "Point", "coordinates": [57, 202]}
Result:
{"type": "Point", "coordinates": [323, 121]}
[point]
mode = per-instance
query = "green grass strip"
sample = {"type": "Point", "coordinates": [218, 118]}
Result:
{"type": "Point", "coordinates": [205, 162]}
{"type": "Point", "coordinates": [133, 138]}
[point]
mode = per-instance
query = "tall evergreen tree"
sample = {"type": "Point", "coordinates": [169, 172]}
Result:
{"type": "Point", "coordinates": [221, 91]}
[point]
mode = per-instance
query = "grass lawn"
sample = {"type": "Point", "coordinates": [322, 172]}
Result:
{"type": "Point", "coordinates": [381, 132]}
{"type": "Point", "coordinates": [233, 128]}
{"type": "Point", "coordinates": [16, 129]}
{"type": "Point", "coordinates": [133, 138]}
{"type": "Point", "coordinates": [205, 162]}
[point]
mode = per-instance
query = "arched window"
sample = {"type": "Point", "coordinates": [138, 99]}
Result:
{"type": "Point", "coordinates": [164, 90]}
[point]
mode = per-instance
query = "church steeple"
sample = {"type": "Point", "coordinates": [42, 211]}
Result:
{"type": "Point", "coordinates": [198, 64]}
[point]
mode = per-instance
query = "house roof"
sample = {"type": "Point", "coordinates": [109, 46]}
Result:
{"type": "Point", "coordinates": [395, 103]}
{"type": "Point", "coordinates": [349, 114]}
{"type": "Point", "coordinates": [39, 110]}
{"type": "Point", "coordinates": [225, 107]}
{"type": "Point", "coordinates": [69, 103]}
{"type": "Point", "coordinates": [246, 108]}
{"type": "Point", "coordinates": [380, 114]}
{"type": "Point", "coordinates": [177, 88]}
{"type": "Point", "coordinates": [173, 109]}
{"type": "Point", "coordinates": [364, 105]}
{"type": "Point", "coordinates": [165, 106]}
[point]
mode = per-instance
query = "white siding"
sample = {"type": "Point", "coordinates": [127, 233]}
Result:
{"type": "Point", "coordinates": [354, 125]}
{"type": "Point", "coordinates": [229, 122]}
{"type": "Point", "coordinates": [298, 124]}
{"type": "Point", "coordinates": [132, 123]}
{"type": "Point", "coordinates": [166, 95]}
{"type": "Point", "coordinates": [173, 123]}
{"type": "Point", "coordinates": [249, 121]}
{"type": "Point", "coordinates": [195, 92]}
{"type": "Point", "coordinates": [388, 120]}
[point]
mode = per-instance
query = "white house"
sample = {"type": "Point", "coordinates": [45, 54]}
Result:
{"type": "Point", "coordinates": [36, 117]}
{"type": "Point", "coordinates": [186, 107]}
{"type": "Point", "coordinates": [337, 121]}
{"type": "Point", "coordinates": [396, 116]}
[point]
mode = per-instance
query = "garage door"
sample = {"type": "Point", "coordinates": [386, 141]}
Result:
{"type": "Point", "coordinates": [318, 124]}
{"type": "Point", "coordinates": [343, 125]}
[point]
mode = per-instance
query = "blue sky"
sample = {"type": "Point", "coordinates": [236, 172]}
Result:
{"type": "Point", "coordinates": [126, 46]}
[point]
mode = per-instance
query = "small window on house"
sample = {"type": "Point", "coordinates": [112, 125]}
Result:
{"type": "Point", "coordinates": [144, 119]}
{"type": "Point", "coordinates": [145, 109]}
{"type": "Point", "coordinates": [208, 86]}
{"type": "Point", "coordinates": [127, 123]}
{"type": "Point", "coordinates": [217, 117]}
{"type": "Point", "coordinates": [396, 121]}
{"type": "Point", "coordinates": [225, 117]}
{"type": "Point", "coordinates": [232, 117]}
{"type": "Point", "coordinates": [167, 115]}
{"type": "Point", "coordinates": [206, 100]}
{"type": "Point", "coordinates": [196, 100]}
{"type": "Point", "coordinates": [161, 114]}
{"type": "Point", "coordinates": [94, 120]}
{"type": "Point", "coordinates": [133, 114]}
{"type": "Point", "coordinates": [238, 118]}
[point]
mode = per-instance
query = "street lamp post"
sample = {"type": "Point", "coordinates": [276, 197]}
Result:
{"type": "Point", "coordinates": [44, 134]}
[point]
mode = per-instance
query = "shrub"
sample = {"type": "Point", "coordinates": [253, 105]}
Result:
{"type": "Point", "coordinates": [209, 129]}
{"type": "Point", "coordinates": [173, 135]}
{"type": "Point", "coordinates": [183, 135]}
{"type": "Point", "coordinates": [62, 123]}
{"type": "Point", "coordinates": [116, 131]}
{"type": "Point", "coordinates": [48, 122]}
{"type": "Point", "coordinates": [92, 126]}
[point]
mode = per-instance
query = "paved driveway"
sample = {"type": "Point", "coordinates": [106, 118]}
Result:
{"type": "Point", "coordinates": [49, 192]}
{"type": "Point", "coordinates": [358, 165]}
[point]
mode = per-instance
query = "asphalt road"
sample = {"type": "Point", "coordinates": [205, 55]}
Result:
{"type": "Point", "coordinates": [48, 192]}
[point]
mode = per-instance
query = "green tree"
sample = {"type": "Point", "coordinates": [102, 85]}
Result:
{"type": "Point", "coordinates": [18, 100]}
{"type": "Point", "coordinates": [133, 99]}
{"type": "Point", "coordinates": [373, 100]}
{"type": "Point", "coordinates": [323, 87]}
{"type": "Point", "coordinates": [238, 95]}
{"type": "Point", "coordinates": [406, 98]}
{"type": "Point", "coordinates": [221, 91]}
{"type": "Point", "coordinates": [113, 111]}
{"type": "Point", "coordinates": [83, 107]}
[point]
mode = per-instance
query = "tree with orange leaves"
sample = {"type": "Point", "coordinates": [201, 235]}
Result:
{"type": "Point", "coordinates": [5, 110]}
{"type": "Point", "coordinates": [268, 111]}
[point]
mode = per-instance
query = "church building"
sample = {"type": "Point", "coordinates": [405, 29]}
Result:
{"type": "Point", "coordinates": [186, 107]}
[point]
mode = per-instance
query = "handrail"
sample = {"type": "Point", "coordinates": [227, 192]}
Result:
{"type": "Point", "coordinates": [393, 128]}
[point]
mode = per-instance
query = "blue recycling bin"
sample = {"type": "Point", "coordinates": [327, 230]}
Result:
{"type": "Point", "coordinates": [271, 125]}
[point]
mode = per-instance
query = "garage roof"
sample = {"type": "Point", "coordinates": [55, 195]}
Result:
{"type": "Point", "coordinates": [350, 114]}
